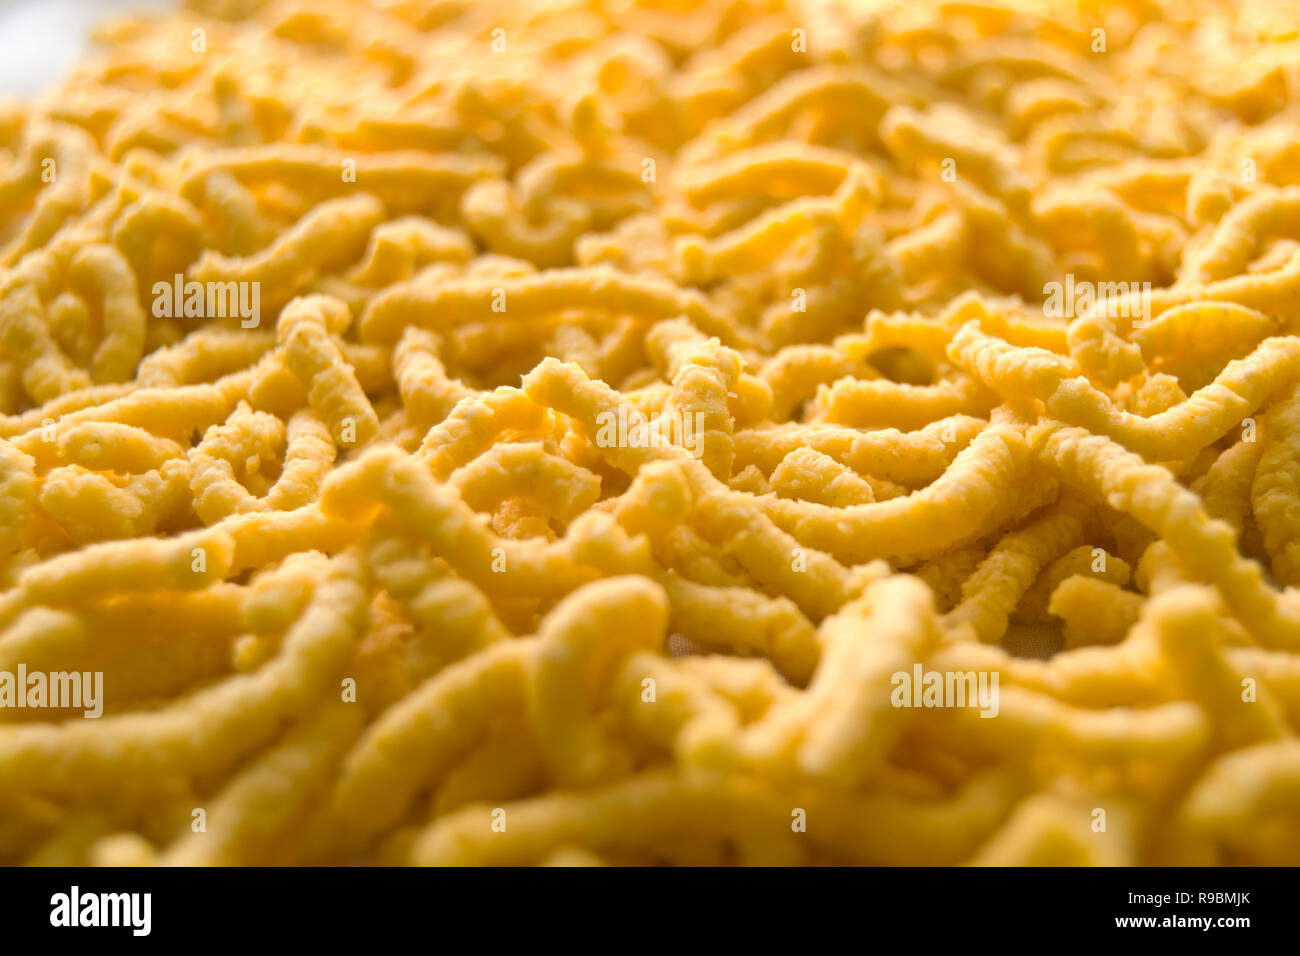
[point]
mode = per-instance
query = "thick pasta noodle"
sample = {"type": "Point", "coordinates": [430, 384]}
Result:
{"type": "Point", "coordinates": [734, 432]}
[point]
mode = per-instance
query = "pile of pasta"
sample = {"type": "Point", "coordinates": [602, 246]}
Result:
{"type": "Point", "coordinates": [366, 583]}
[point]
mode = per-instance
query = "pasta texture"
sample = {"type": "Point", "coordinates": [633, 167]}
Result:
{"type": "Point", "coordinates": [754, 432]}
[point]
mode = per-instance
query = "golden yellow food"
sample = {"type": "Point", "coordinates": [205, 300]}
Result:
{"type": "Point", "coordinates": [655, 431]}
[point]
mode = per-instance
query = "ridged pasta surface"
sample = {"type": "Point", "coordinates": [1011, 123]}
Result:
{"type": "Point", "coordinates": [637, 431]}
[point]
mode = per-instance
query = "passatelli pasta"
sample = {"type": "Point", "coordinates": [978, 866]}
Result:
{"type": "Point", "coordinates": [736, 431]}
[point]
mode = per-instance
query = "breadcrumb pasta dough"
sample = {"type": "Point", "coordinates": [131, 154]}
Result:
{"type": "Point", "coordinates": [598, 432]}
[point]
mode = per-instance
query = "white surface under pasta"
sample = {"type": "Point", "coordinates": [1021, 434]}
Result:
{"type": "Point", "coordinates": [40, 40]}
